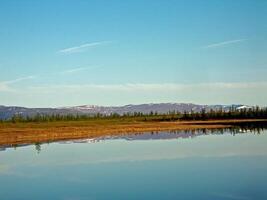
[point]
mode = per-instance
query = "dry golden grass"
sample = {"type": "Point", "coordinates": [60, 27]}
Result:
{"type": "Point", "coordinates": [28, 133]}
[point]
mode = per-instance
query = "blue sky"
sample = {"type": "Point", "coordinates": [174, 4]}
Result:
{"type": "Point", "coordinates": [61, 53]}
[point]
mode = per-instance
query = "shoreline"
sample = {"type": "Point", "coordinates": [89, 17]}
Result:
{"type": "Point", "coordinates": [31, 133]}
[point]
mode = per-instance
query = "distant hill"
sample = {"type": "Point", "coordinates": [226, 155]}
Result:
{"type": "Point", "coordinates": [6, 112]}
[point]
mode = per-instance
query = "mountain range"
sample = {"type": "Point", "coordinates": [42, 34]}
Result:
{"type": "Point", "coordinates": [6, 112]}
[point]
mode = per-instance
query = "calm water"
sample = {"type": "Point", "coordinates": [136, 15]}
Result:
{"type": "Point", "coordinates": [179, 165]}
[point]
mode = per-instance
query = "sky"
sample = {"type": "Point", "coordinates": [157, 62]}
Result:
{"type": "Point", "coordinates": [57, 53]}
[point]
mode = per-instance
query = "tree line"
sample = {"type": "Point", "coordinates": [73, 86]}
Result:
{"type": "Point", "coordinates": [246, 113]}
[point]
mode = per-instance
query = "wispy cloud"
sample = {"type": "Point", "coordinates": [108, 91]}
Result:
{"type": "Point", "coordinates": [249, 93]}
{"type": "Point", "coordinates": [82, 47]}
{"type": "Point", "coordinates": [165, 87]}
{"type": "Point", "coordinates": [78, 69]}
{"type": "Point", "coordinates": [133, 87]}
{"type": "Point", "coordinates": [19, 79]}
{"type": "Point", "coordinates": [221, 44]}
{"type": "Point", "coordinates": [4, 85]}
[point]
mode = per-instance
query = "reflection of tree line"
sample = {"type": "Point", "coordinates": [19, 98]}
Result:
{"type": "Point", "coordinates": [38, 147]}
{"type": "Point", "coordinates": [248, 128]}
{"type": "Point", "coordinates": [15, 146]}
{"type": "Point", "coordinates": [253, 127]}
{"type": "Point", "coordinates": [232, 130]}
{"type": "Point", "coordinates": [233, 113]}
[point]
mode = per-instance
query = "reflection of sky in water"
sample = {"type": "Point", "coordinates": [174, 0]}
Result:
{"type": "Point", "coordinates": [204, 167]}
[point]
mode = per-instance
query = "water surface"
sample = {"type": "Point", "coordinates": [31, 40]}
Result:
{"type": "Point", "coordinates": [166, 165]}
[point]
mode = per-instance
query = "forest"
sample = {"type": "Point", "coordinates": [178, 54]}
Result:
{"type": "Point", "coordinates": [251, 113]}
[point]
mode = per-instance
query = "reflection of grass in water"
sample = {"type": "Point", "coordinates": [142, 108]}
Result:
{"type": "Point", "coordinates": [245, 127]}
{"type": "Point", "coordinates": [248, 128]}
{"type": "Point", "coordinates": [31, 133]}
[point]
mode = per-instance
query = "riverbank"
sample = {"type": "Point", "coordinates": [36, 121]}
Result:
{"type": "Point", "coordinates": [30, 133]}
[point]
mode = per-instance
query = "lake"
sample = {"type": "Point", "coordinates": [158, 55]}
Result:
{"type": "Point", "coordinates": [221, 164]}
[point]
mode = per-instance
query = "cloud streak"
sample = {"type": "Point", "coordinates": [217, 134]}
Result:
{"type": "Point", "coordinates": [4, 86]}
{"type": "Point", "coordinates": [74, 70]}
{"type": "Point", "coordinates": [165, 87]}
{"type": "Point", "coordinates": [132, 87]}
{"type": "Point", "coordinates": [82, 47]}
{"type": "Point", "coordinates": [19, 79]}
{"type": "Point", "coordinates": [56, 95]}
{"type": "Point", "coordinates": [222, 44]}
